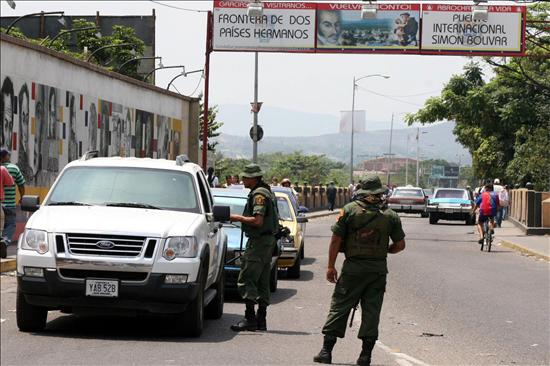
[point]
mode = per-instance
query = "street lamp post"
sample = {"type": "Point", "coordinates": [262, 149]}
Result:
{"type": "Point", "coordinates": [108, 46]}
{"type": "Point", "coordinates": [355, 80]}
{"type": "Point", "coordinates": [61, 19]}
{"type": "Point", "coordinates": [139, 58]}
{"type": "Point", "coordinates": [74, 30]}
{"type": "Point", "coordinates": [163, 67]}
{"type": "Point", "coordinates": [181, 74]}
{"type": "Point", "coordinates": [390, 154]}
{"type": "Point", "coordinates": [417, 154]}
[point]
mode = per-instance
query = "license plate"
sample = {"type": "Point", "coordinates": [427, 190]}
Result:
{"type": "Point", "coordinates": [449, 211]}
{"type": "Point", "coordinates": [407, 202]}
{"type": "Point", "coordinates": [102, 288]}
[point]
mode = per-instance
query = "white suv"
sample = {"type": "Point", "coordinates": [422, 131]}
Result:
{"type": "Point", "coordinates": [123, 234]}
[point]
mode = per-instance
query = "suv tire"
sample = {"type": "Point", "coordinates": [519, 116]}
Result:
{"type": "Point", "coordinates": [214, 310]}
{"type": "Point", "coordinates": [30, 318]}
{"type": "Point", "coordinates": [433, 219]}
{"type": "Point", "coordinates": [302, 251]}
{"type": "Point", "coordinates": [294, 271]}
{"type": "Point", "coordinates": [193, 317]}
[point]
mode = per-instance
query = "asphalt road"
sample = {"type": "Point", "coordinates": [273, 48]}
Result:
{"type": "Point", "coordinates": [446, 303]}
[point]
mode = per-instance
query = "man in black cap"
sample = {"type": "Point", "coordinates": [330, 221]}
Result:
{"type": "Point", "coordinates": [259, 223]}
{"type": "Point", "coordinates": [362, 231]}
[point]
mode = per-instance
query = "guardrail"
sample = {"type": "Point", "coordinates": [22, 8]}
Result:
{"type": "Point", "coordinates": [530, 210]}
{"type": "Point", "coordinates": [315, 197]}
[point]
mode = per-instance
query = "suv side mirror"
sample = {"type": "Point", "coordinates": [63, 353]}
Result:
{"type": "Point", "coordinates": [301, 220]}
{"type": "Point", "coordinates": [30, 203]}
{"type": "Point", "coordinates": [221, 213]}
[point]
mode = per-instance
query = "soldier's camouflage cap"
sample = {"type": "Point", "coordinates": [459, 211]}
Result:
{"type": "Point", "coordinates": [252, 171]}
{"type": "Point", "coordinates": [370, 185]}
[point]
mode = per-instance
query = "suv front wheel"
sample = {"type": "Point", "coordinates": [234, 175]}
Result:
{"type": "Point", "coordinates": [30, 318]}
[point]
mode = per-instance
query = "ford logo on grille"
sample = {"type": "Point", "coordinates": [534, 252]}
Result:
{"type": "Point", "coordinates": [105, 244]}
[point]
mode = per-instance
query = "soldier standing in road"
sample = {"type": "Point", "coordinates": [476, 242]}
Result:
{"type": "Point", "coordinates": [259, 222]}
{"type": "Point", "coordinates": [362, 232]}
{"type": "Point", "coordinates": [331, 196]}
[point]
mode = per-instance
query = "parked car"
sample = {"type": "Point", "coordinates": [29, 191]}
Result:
{"type": "Point", "coordinates": [137, 235]}
{"type": "Point", "coordinates": [451, 204]}
{"type": "Point", "coordinates": [236, 200]}
{"type": "Point", "coordinates": [292, 217]}
{"type": "Point", "coordinates": [408, 200]}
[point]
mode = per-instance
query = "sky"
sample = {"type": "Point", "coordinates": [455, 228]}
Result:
{"type": "Point", "coordinates": [312, 83]}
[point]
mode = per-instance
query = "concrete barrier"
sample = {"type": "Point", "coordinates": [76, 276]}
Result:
{"type": "Point", "coordinates": [530, 211]}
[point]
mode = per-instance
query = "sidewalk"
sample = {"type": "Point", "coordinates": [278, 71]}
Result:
{"type": "Point", "coordinates": [533, 245]}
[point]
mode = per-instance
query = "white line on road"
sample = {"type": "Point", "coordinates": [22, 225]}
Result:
{"type": "Point", "coordinates": [401, 358]}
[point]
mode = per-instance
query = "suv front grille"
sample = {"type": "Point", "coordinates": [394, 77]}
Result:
{"type": "Point", "coordinates": [105, 245]}
{"type": "Point", "coordinates": [123, 276]}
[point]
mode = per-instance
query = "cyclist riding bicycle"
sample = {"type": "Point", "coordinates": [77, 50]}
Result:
{"type": "Point", "coordinates": [487, 203]}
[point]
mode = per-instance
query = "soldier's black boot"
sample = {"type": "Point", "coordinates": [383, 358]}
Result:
{"type": "Point", "coordinates": [325, 355]}
{"type": "Point", "coordinates": [261, 315]}
{"type": "Point", "coordinates": [366, 351]}
{"type": "Point", "coordinates": [249, 320]}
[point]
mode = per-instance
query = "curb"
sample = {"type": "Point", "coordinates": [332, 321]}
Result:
{"type": "Point", "coordinates": [524, 250]}
{"type": "Point", "coordinates": [8, 265]}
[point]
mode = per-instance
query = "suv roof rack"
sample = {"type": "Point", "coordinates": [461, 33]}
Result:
{"type": "Point", "coordinates": [89, 155]}
{"type": "Point", "coordinates": [182, 159]}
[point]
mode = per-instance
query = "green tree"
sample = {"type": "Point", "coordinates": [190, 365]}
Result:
{"type": "Point", "coordinates": [495, 119]}
{"type": "Point", "coordinates": [213, 125]}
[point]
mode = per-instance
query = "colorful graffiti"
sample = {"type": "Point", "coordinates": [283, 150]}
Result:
{"type": "Point", "coordinates": [45, 128]}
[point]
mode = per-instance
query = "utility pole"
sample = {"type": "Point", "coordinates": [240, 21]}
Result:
{"type": "Point", "coordinates": [390, 154]}
{"type": "Point", "coordinates": [407, 162]}
{"type": "Point", "coordinates": [255, 111]}
{"type": "Point", "coordinates": [417, 155]}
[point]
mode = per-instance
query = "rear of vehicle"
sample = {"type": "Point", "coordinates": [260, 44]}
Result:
{"type": "Point", "coordinates": [236, 242]}
{"type": "Point", "coordinates": [451, 204]}
{"type": "Point", "coordinates": [293, 249]}
{"type": "Point", "coordinates": [122, 236]}
{"type": "Point", "coordinates": [408, 200]}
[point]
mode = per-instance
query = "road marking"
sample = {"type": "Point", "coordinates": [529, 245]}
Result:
{"type": "Point", "coordinates": [401, 358]}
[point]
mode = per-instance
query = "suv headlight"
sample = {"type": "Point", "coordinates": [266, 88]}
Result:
{"type": "Point", "coordinates": [180, 247]}
{"type": "Point", "coordinates": [35, 240]}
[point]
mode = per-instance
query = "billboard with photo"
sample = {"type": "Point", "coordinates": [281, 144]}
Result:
{"type": "Point", "coordinates": [450, 29]}
{"type": "Point", "coordinates": [341, 28]}
{"type": "Point", "coordinates": [283, 27]}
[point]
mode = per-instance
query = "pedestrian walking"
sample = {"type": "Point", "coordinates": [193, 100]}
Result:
{"type": "Point", "coordinates": [331, 196]}
{"type": "Point", "coordinates": [362, 232]}
{"type": "Point", "coordinates": [8, 203]}
{"type": "Point", "coordinates": [260, 222]}
{"type": "Point", "coordinates": [5, 180]}
{"type": "Point", "coordinates": [504, 202]}
{"type": "Point", "coordinates": [213, 180]}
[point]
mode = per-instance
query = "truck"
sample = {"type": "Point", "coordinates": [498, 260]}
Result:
{"type": "Point", "coordinates": [125, 236]}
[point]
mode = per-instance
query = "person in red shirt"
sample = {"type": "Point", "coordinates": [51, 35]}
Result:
{"type": "Point", "coordinates": [5, 180]}
{"type": "Point", "coordinates": [487, 203]}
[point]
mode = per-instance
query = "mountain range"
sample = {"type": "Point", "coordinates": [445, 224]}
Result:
{"type": "Point", "coordinates": [289, 131]}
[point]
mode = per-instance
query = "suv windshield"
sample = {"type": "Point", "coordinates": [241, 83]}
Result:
{"type": "Point", "coordinates": [126, 187]}
{"type": "Point", "coordinates": [451, 193]}
{"type": "Point", "coordinates": [407, 193]}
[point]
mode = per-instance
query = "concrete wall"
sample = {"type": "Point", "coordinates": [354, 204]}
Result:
{"type": "Point", "coordinates": [530, 211]}
{"type": "Point", "coordinates": [55, 108]}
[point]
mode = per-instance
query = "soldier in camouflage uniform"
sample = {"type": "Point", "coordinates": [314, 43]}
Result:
{"type": "Point", "coordinates": [362, 232]}
{"type": "Point", "coordinates": [259, 223]}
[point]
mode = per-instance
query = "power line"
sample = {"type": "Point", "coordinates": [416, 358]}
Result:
{"type": "Point", "coordinates": [178, 8]}
{"type": "Point", "coordinates": [389, 97]}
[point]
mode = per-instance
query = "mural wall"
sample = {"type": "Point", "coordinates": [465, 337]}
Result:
{"type": "Point", "coordinates": [46, 127]}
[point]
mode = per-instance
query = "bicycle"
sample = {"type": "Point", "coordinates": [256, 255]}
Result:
{"type": "Point", "coordinates": [487, 236]}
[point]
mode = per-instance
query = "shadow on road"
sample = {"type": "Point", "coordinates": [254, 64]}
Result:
{"type": "Point", "coordinates": [304, 276]}
{"type": "Point", "coordinates": [140, 328]}
{"type": "Point", "coordinates": [307, 261]}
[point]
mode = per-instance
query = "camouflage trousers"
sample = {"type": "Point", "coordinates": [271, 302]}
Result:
{"type": "Point", "coordinates": [368, 290]}
{"type": "Point", "coordinates": [253, 282]}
